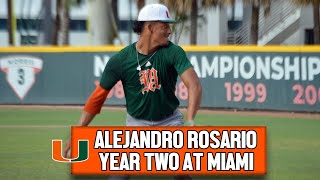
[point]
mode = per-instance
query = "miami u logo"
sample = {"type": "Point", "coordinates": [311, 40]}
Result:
{"type": "Point", "coordinates": [149, 79]}
{"type": "Point", "coordinates": [57, 152]}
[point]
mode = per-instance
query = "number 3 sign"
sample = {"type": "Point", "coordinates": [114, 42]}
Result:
{"type": "Point", "coordinates": [20, 72]}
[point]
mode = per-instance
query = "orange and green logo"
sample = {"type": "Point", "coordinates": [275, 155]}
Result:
{"type": "Point", "coordinates": [149, 79]}
{"type": "Point", "coordinates": [83, 152]}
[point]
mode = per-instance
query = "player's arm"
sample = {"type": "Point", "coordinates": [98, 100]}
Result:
{"type": "Point", "coordinates": [92, 107]}
{"type": "Point", "coordinates": [110, 76]}
{"type": "Point", "coordinates": [189, 77]}
{"type": "Point", "coordinates": [192, 82]}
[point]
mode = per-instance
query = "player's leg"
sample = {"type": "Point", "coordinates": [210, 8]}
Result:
{"type": "Point", "coordinates": [131, 121]}
{"type": "Point", "coordinates": [182, 178]}
{"type": "Point", "coordinates": [120, 177]}
{"type": "Point", "coordinates": [174, 120]}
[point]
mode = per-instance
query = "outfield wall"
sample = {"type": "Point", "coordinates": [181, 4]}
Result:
{"type": "Point", "coordinates": [272, 78]}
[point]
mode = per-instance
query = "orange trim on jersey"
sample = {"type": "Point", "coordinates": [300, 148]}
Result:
{"type": "Point", "coordinates": [96, 100]}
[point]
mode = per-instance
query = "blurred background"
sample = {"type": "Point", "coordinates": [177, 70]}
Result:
{"type": "Point", "coordinates": [199, 22]}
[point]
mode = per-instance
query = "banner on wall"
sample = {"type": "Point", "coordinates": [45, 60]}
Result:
{"type": "Point", "coordinates": [272, 78]}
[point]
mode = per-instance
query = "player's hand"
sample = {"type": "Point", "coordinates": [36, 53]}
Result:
{"type": "Point", "coordinates": [66, 151]}
{"type": "Point", "coordinates": [190, 123]}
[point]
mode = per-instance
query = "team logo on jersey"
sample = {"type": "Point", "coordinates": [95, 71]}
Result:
{"type": "Point", "coordinates": [149, 79]}
{"type": "Point", "coordinates": [20, 72]}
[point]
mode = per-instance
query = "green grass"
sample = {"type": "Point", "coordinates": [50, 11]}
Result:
{"type": "Point", "coordinates": [26, 134]}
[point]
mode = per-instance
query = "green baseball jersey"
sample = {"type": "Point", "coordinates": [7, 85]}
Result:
{"type": "Point", "coordinates": [150, 92]}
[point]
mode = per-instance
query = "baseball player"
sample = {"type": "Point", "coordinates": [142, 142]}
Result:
{"type": "Point", "coordinates": [148, 70]}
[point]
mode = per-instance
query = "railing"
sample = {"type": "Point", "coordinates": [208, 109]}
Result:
{"type": "Point", "coordinates": [240, 36]}
{"type": "Point", "coordinates": [280, 10]}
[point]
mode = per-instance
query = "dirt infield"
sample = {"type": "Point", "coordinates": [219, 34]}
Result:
{"type": "Point", "coordinates": [202, 111]}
